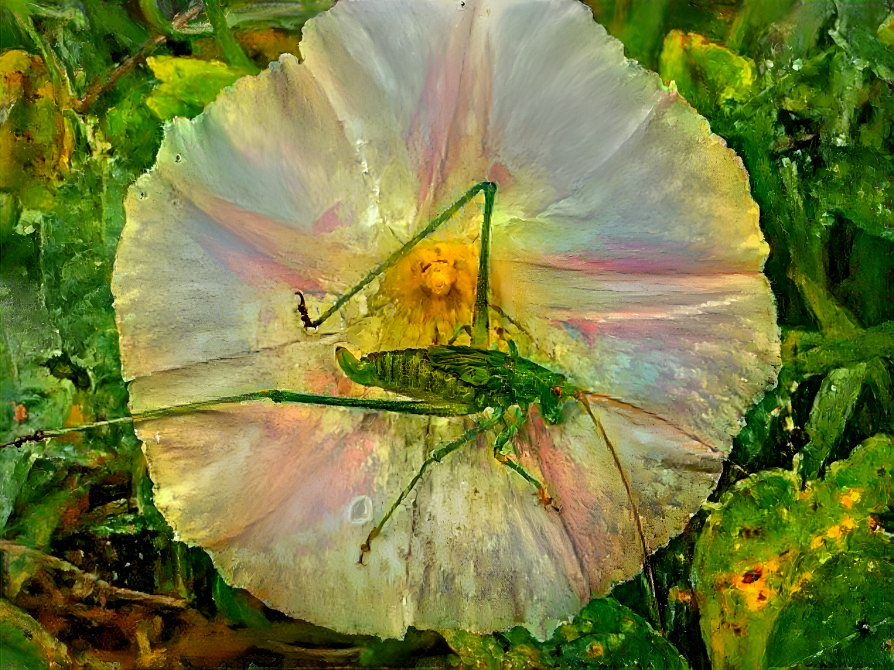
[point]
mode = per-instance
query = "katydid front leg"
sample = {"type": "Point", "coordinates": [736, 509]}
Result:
{"type": "Point", "coordinates": [435, 456]}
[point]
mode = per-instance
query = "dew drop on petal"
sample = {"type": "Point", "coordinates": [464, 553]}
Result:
{"type": "Point", "coordinates": [360, 510]}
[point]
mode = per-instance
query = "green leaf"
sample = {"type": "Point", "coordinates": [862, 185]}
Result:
{"type": "Point", "coordinates": [232, 51]}
{"type": "Point", "coordinates": [842, 617]}
{"type": "Point", "coordinates": [187, 84]}
{"type": "Point", "coordinates": [237, 606]}
{"type": "Point", "coordinates": [820, 357]}
{"type": "Point", "coordinates": [885, 31]}
{"type": "Point", "coordinates": [857, 31]}
{"type": "Point", "coordinates": [757, 18]}
{"type": "Point", "coordinates": [707, 74]}
{"type": "Point", "coordinates": [40, 519]}
{"type": "Point", "coordinates": [17, 652]}
{"type": "Point", "coordinates": [289, 15]}
{"type": "Point", "coordinates": [609, 635]}
{"type": "Point", "coordinates": [14, 468]}
{"type": "Point", "coordinates": [605, 634]}
{"type": "Point", "coordinates": [401, 653]}
{"type": "Point", "coordinates": [493, 652]}
{"type": "Point", "coordinates": [835, 409]}
{"type": "Point", "coordinates": [770, 550]}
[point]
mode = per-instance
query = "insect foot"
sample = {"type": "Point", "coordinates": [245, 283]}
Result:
{"type": "Point", "coordinates": [546, 499]}
{"type": "Point", "coordinates": [302, 312]}
{"type": "Point", "coordinates": [365, 548]}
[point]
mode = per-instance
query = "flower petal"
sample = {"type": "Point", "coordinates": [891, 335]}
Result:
{"type": "Point", "coordinates": [626, 255]}
{"type": "Point", "coordinates": [283, 497]}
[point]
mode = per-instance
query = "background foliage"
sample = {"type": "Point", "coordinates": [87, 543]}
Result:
{"type": "Point", "coordinates": [790, 563]}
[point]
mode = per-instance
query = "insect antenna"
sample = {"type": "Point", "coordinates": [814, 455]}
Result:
{"type": "Point", "coordinates": [647, 565]}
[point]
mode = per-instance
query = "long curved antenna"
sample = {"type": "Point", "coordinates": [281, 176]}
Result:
{"type": "Point", "coordinates": [647, 565]}
{"type": "Point", "coordinates": [611, 401]}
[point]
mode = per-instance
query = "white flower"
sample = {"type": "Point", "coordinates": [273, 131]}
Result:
{"type": "Point", "coordinates": [626, 255]}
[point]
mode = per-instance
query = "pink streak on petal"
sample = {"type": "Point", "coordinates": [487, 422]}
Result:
{"type": "Point", "coordinates": [428, 134]}
{"type": "Point", "coordinates": [328, 222]}
{"type": "Point", "coordinates": [258, 270]}
{"type": "Point", "coordinates": [312, 477]}
{"type": "Point", "coordinates": [565, 480]}
{"type": "Point", "coordinates": [637, 265]}
{"type": "Point", "coordinates": [499, 173]}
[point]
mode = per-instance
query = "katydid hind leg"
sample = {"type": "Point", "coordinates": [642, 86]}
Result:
{"type": "Point", "coordinates": [289, 397]}
{"type": "Point", "coordinates": [488, 188]}
{"type": "Point", "coordinates": [481, 316]}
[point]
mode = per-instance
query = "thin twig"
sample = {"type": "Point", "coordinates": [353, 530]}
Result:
{"type": "Point", "coordinates": [97, 89]}
{"type": "Point", "coordinates": [51, 563]}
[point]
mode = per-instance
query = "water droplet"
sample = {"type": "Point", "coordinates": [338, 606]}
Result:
{"type": "Point", "coordinates": [360, 510]}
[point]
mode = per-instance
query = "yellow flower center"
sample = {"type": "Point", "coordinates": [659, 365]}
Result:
{"type": "Point", "coordinates": [433, 290]}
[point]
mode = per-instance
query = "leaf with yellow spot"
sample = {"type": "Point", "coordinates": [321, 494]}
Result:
{"type": "Point", "coordinates": [788, 576]}
{"type": "Point", "coordinates": [36, 140]}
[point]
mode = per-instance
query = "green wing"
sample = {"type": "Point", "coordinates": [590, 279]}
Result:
{"type": "Point", "coordinates": [473, 366]}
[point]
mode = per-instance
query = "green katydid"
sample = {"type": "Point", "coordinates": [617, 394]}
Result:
{"type": "Point", "coordinates": [442, 380]}
{"type": "Point", "coordinates": [626, 255]}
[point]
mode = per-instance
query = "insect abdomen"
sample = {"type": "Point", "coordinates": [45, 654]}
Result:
{"type": "Point", "coordinates": [408, 372]}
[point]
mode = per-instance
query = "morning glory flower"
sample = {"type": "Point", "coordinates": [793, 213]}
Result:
{"type": "Point", "coordinates": [626, 255]}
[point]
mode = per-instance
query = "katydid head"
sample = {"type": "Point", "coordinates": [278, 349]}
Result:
{"type": "Point", "coordinates": [553, 398]}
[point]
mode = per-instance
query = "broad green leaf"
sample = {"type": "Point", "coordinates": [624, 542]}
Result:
{"type": "Point", "coordinates": [837, 407]}
{"type": "Point", "coordinates": [768, 438]}
{"type": "Point", "coordinates": [17, 652]}
{"type": "Point", "coordinates": [401, 653]}
{"type": "Point", "coordinates": [238, 607]}
{"type": "Point", "coordinates": [14, 468]}
{"type": "Point", "coordinates": [233, 53]}
{"type": "Point", "coordinates": [857, 31]}
{"type": "Point", "coordinates": [42, 517]}
{"type": "Point", "coordinates": [842, 616]}
{"type": "Point", "coordinates": [493, 652]}
{"type": "Point", "coordinates": [707, 74]}
{"type": "Point", "coordinates": [289, 15]}
{"type": "Point", "coordinates": [36, 140]}
{"type": "Point", "coordinates": [187, 84]}
{"type": "Point", "coordinates": [772, 551]}
{"type": "Point", "coordinates": [755, 19]}
{"type": "Point", "coordinates": [605, 634]}
{"type": "Point", "coordinates": [822, 356]}
{"type": "Point", "coordinates": [885, 31]}
{"type": "Point", "coordinates": [861, 267]}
